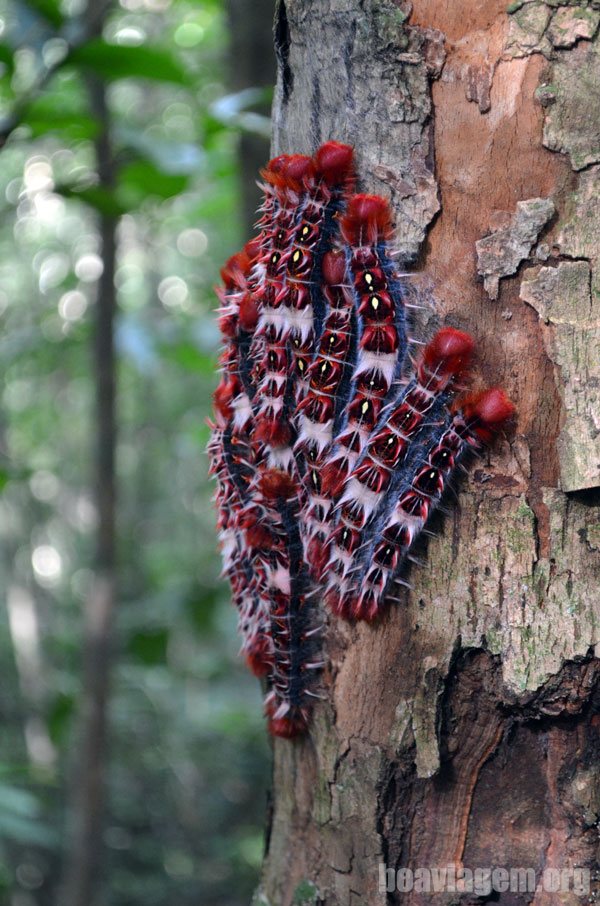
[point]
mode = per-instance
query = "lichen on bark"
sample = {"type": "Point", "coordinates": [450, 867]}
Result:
{"type": "Point", "coordinates": [572, 120]}
{"type": "Point", "coordinates": [500, 253]}
{"type": "Point", "coordinates": [562, 297]}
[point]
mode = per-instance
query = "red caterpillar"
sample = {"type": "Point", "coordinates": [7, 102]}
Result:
{"type": "Point", "coordinates": [290, 696]}
{"type": "Point", "coordinates": [472, 424]}
{"type": "Point", "coordinates": [331, 449]}
{"type": "Point", "coordinates": [386, 461]}
{"type": "Point", "coordinates": [289, 291]}
{"type": "Point", "coordinates": [330, 371]}
{"type": "Point", "coordinates": [234, 465]}
{"type": "Point", "coordinates": [381, 328]}
{"type": "Point", "coordinates": [272, 373]}
{"type": "Point", "coordinates": [291, 315]}
{"type": "Point", "coordinates": [311, 242]}
{"type": "Point", "coordinates": [367, 331]}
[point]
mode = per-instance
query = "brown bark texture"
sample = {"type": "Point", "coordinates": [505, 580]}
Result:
{"type": "Point", "coordinates": [464, 727]}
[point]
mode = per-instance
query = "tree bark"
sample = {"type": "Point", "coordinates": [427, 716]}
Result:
{"type": "Point", "coordinates": [464, 727]}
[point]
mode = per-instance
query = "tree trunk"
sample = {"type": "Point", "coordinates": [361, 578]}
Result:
{"type": "Point", "coordinates": [87, 795]}
{"type": "Point", "coordinates": [251, 65]}
{"type": "Point", "coordinates": [463, 729]}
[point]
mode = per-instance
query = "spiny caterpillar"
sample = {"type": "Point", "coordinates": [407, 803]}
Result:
{"type": "Point", "coordinates": [332, 443]}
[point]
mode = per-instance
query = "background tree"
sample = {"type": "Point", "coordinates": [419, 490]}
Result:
{"type": "Point", "coordinates": [464, 726]}
{"type": "Point", "coordinates": [252, 72]}
{"type": "Point", "coordinates": [149, 158]}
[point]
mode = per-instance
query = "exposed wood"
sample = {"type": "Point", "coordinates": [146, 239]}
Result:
{"type": "Point", "coordinates": [465, 726]}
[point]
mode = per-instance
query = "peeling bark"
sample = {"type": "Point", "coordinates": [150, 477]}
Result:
{"type": "Point", "coordinates": [500, 254]}
{"type": "Point", "coordinates": [562, 298]}
{"type": "Point", "coordinates": [465, 726]}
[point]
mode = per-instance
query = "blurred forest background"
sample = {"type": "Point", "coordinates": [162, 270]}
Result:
{"type": "Point", "coordinates": [133, 760]}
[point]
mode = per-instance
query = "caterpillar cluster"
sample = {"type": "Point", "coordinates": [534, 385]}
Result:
{"type": "Point", "coordinates": [332, 442]}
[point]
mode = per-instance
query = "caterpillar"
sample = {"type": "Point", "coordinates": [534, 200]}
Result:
{"type": "Point", "coordinates": [382, 339]}
{"type": "Point", "coordinates": [290, 696]}
{"type": "Point", "coordinates": [233, 464]}
{"type": "Point", "coordinates": [368, 331]}
{"type": "Point", "coordinates": [290, 317]}
{"type": "Point", "coordinates": [273, 418]}
{"type": "Point", "coordinates": [332, 444]}
{"type": "Point", "coordinates": [333, 178]}
{"type": "Point", "coordinates": [291, 308]}
{"type": "Point", "coordinates": [405, 426]}
{"type": "Point", "coordinates": [329, 374]}
{"type": "Point", "coordinates": [417, 496]}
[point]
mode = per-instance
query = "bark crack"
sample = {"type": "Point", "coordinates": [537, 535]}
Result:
{"type": "Point", "coordinates": [282, 51]}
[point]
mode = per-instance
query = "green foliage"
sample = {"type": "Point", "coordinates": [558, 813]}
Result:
{"type": "Point", "coordinates": [113, 61]}
{"type": "Point", "coordinates": [149, 646]}
{"type": "Point", "coordinates": [20, 818]}
{"type": "Point", "coordinates": [189, 762]}
{"type": "Point", "coordinates": [49, 10]}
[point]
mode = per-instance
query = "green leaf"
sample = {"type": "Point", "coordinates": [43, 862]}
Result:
{"type": "Point", "coordinates": [141, 179]}
{"type": "Point", "coordinates": [26, 831]}
{"type": "Point", "coordinates": [48, 10]}
{"type": "Point", "coordinates": [20, 817]}
{"type": "Point", "coordinates": [18, 801]}
{"type": "Point", "coordinates": [59, 717]}
{"type": "Point", "coordinates": [235, 110]}
{"type": "Point", "coordinates": [72, 127]}
{"type": "Point", "coordinates": [114, 61]}
{"type": "Point", "coordinates": [96, 197]}
{"type": "Point", "coordinates": [63, 110]}
{"type": "Point", "coordinates": [13, 473]}
{"type": "Point", "coordinates": [138, 181]}
{"type": "Point", "coordinates": [178, 158]}
{"type": "Point", "coordinates": [7, 57]}
{"type": "Point", "coordinates": [6, 876]}
{"type": "Point", "coordinates": [188, 356]}
{"type": "Point", "coordinates": [150, 646]}
{"type": "Point", "coordinates": [202, 606]}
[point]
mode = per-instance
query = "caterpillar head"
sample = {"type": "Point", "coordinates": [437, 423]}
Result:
{"type": "Point", "coordinates": [367, 220]}
{"type": "Point", "coordinates": [334, 162]}
{"type": "Point", "coordinates": [487, 412]}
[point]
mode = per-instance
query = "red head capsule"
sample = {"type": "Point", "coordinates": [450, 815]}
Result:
{"type": "Point", "coordinates": [367, 220]}
{"type": "Point", "coordinates": [334, 162]}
